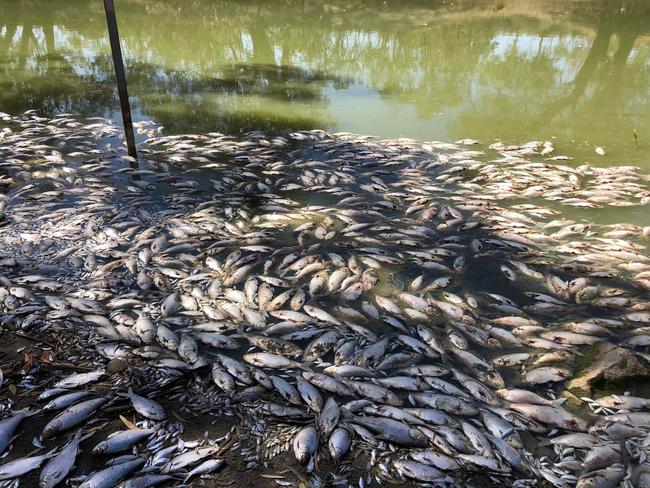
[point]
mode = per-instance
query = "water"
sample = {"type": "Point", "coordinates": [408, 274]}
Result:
{"type": "Point", "coordinates": [578, 72]}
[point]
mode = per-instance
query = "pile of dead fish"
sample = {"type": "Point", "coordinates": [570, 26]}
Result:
{"type": "Point", "coordinates": [344, 298]}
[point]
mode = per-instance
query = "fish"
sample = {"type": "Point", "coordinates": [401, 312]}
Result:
{"type": "Point", "coordinates": [112, 475]}
{"type": "Point", "coordinates": [146, 407]}
{"type": "Point", "coordinates": [146, 481]}
{"type": "Point", "coordinates": [305, 443]}
{"type": "Point", "coordinates": [21, 466]}
{"type": "Point", "coordinates": [418, 471]}
{"type": "Point", "coordinates": [61, 465]}
{"type": "Point", "coordinates": [79, 379]}
{"type": "Point", "coordinates": [339, 443]}
{"type": "Point", "coordinates": [393, 431]}
{"type": "Point", "coordinates": [205, 467]}
{"type": "Point", "coordinates": [64, 401]}
{"type": "Point", "coordinates": [269, 360]}
{"type": "Point", "coordinates": [72, 416]}
{"type": "Point", "coordinates": [188, 458]}
{"type": "Point", "coordinates": [9, 425]}
{"type": "Point", "coordinates": [551, 415]}
{"type": "Point", "coordinates": [122, 440]}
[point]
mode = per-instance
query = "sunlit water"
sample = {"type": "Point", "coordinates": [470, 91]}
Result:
{"type": "Point", "coordinates": [576, 73]}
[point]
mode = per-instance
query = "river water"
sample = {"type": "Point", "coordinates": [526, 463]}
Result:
{"type": "Point", "coordinates": [575, 72]}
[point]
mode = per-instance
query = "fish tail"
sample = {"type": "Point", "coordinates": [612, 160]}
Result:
{"type": "Point", "coordinates": [306, 367]}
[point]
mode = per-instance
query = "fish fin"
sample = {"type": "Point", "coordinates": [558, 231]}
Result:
{"type": "Point", "coordinates": [11, 441]}
{"type": "Point", "coordinates": [27, 412]}
{"type": "Point", "coordinates": [558, 401]}
{"type": "Point", "coordinates": [87, 435]}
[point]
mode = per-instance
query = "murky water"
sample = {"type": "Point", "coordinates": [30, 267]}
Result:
{"type": "Point", "coordinates": [576, 72]}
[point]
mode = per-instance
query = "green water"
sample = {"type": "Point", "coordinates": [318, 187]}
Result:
{"type": "Point", "coordinates": [575, 72]}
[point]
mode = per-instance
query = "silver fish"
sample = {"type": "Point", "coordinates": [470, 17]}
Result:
{"type": "Point", "coordinates": [146, 407]}
{"type": "Point", "coordinates": [112, 475]}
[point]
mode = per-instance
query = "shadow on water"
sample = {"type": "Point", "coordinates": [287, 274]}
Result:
{"type": "Point", "coordinates": [237, 98]}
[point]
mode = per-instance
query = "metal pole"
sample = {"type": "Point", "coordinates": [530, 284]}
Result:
{"type": "Point", "coordinates": [118, 63]}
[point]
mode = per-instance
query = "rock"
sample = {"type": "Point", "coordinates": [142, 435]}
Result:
{"type": "Point", "coordinates": [573, 403]}
{"type": "Point", "coordinates": [611, 364]}
{"type": "Point", "coordinates": [116, 365]}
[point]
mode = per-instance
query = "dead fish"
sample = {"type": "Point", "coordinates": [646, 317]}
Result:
{"type": "Point", "coordinates": [524, 396]}
{"type": "Point", "coordinates": [305, 444]}
{"type": "Point", "coordinates": [9, 425]}
{"type": "Point", "coordinates": [21, 466]}
{"type": "Point", "coordinates": [268, 360]}
{"type": "Point", "coordinates": [546, 375]}
{"type": "Point", "coordinates": [120, 441]}
{"type": "Point", "coordinates": [65, 401]}
{"type": "Point", "coordinates": [79, 379]}
{"type": "Point", "coordinates": [339, 443]}
{"type": "Point", "coordinates": [209, 466]}
{"type": "Point", "coordinates": [188, 458]}
{"type": "Point", "coordinates": [146, 481]}
{"type": "Point", "coordinates": [71, 417]}
{"type": "Point", "coordinates": [59, 466]}
{"type": "Point", "coordinates": [551, 415]}
{"type": "Point", "coordinates": [145, 407]}
{"type": "Point", "coordinates": [393, 431]}
{"type": "Point", "coordinates": [418, 471]}
{"type": "Point", "coordinates": [110, 476]}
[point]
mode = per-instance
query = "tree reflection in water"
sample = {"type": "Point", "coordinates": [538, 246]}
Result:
{"type": "Point", "coordinates": [495, 69]}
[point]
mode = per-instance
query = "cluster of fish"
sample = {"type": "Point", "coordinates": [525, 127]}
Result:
{"type": "Point", "coordinates": [341, 295]}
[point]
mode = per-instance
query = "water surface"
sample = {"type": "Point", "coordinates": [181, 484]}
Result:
{"type": "Point", "coordinates": [575, 72]}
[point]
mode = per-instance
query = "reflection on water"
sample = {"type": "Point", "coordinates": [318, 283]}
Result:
{"type": "Point", "coordinates": [513, 70]}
